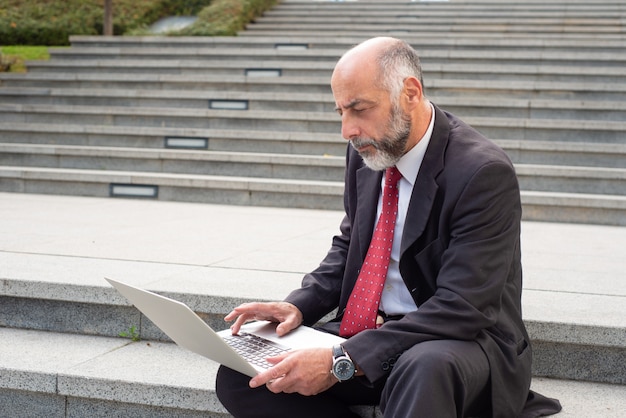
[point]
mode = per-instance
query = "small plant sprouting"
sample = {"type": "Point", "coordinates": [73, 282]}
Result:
{"type": "Point", "coordinates": [131, 333]}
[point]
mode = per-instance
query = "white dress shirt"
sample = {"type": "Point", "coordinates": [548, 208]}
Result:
{"type": "Point", "coordinates": [396, 299]}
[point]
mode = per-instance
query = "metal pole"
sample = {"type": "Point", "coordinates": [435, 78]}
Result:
{"type": "Point", "coordinates": [108, 18]}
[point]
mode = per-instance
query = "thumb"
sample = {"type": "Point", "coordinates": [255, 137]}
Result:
{"type": "Point", "coordinates": [284, 328]}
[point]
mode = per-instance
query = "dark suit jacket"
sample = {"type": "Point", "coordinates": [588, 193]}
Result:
{"type": "Point", "coordinates": [460, 260]}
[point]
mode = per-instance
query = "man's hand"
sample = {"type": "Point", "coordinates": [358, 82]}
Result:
{"type": "Point", "coordinates": [306, 372]}
{"type": "Point", "coordinates": [303, 371]}
{"type": "Point", "coordinates": [287, 315]}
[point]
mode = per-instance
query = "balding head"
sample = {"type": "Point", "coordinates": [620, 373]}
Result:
{"type": "Point", "coordinates": [387, 62]}
{"type": "Point", "coordinates": [378, 93]}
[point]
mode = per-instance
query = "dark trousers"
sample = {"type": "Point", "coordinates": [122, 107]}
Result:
{"type": "Point", "coordinates": [440, 379]}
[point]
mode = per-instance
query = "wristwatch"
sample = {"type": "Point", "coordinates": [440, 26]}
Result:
{"type": "Point", "coordinates": [343, 367]}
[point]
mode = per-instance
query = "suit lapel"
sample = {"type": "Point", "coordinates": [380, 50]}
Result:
{"type": "Point", "coordinates": [425, 188]}
{"type": "Point", "coordinates": [368, 190]}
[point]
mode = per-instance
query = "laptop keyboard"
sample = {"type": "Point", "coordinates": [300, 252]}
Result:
{"type": "Point", "coordinates": [255, 349]}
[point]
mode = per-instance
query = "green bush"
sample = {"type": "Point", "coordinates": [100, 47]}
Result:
{"type": "Point", "coordinates": [51, 22]}
{"type": "Point", "coordinates": [226, 17]}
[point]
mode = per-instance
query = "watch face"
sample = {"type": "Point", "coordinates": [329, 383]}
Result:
{"type": "Point", "coordinates": [343, 369]}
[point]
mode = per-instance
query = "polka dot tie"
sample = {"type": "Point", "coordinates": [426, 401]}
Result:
{"type": "Point", "coordinates": [362, 307]}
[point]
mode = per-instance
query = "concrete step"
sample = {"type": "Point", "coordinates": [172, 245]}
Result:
{"type": "Point", "coordinates": [506, 71]}
{"type": "Point", "coordinates": [611, 131]}
{"type": "Point", "coordinates": [98, 376]}
{"type": "Point", "coordinates": [228, 190]}
{"type": "Point", "coordinates": [334, 40]}
{"type": "Point", "coordinates": [537, 205]}
{"type": "Point", "coordinates": [532, 177]}
{"type": "Point", "coordinates": [436, 55]}
{"type": "Point", "coordinates": [472, 13]}
{"type": "Point", "coordinates": [244, 100]}
{"type": "Point", "coordinates": [55, 264]}
{"type": "Point", "coordinates": [521, 151]}
{"type": "Point", "coordinates": [236, 140]}
{"type": "Point", "coordinates": [318, 85]}
{"type": "Point", "coordinates": [214, 163]}
{"type": "Point", "coordinates": [395, 26]}
{"type": "Point", "coordinates": [44, 305]}
{"type": "Point", "coordinates": [461, 105]}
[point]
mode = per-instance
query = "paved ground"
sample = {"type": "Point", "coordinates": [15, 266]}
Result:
{"type": "Point", "coordinates": [573, 273]}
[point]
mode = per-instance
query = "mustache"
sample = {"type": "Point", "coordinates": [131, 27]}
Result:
{"type": "Point", "coordinates": [358, 143]}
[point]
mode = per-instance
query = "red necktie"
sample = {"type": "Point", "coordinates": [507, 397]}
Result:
{"type": "Point", "coordinates": [362, 307]}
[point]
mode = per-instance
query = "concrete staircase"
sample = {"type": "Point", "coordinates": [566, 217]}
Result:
{"type": "Point", "coordinates": [248, 121]}
{"type": "Point", "coordinates": [546, 81]}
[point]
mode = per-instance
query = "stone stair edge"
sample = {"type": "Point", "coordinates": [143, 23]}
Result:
{"type": "Point", "coordinates": [173, 131]}
{"type": "Point", "coordinates": [321, 81]}
{"type": "Point", "coordinates": [425, 20]}
{"type": "Point", "coordinates": [109, 369]}
{"type": "Point", "coordinates": [444, 100]}
{"type": "Point", "coordinates": [340, 38]}
{"type": "Point", "coordinates": [583, 172]}
{"type": "Point", "coordinates": [333, 54]}
{"type": "Point", "coordinates": [314, 187]}
{"type": "Point", "coordinates": [436, 9]}
{"type": "Point", "coordinates": [176, 154]}
{"type": "Point", "coordinates": [215, 297]}
{"type": "Point", "coordinates": [155, 64]}
{"type": "Point", "coordinates": [329, 35]}
{"type": "Point", "coordinates": [470, 3]}
{"type": "Point", "coordinates": [335, 189]}
{"type": "Point", "coordinates": [519, 144]}
{"type": "Point", "coordinates": [479, 122]}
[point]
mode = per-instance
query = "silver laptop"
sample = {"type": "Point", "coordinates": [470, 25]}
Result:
{"type": "Point", "coordinates": [245, 353]}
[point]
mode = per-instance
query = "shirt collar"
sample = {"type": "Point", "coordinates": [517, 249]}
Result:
{"type": "Point", "coordinates": [410, 162]}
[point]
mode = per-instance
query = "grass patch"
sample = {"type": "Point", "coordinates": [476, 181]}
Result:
{"type": "Point", "coordinates": [12, 58]}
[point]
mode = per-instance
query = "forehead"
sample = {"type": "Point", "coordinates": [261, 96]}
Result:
{"type": "Point", "coordinates": [351, 84]}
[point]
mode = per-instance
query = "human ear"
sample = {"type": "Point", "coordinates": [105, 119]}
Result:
{"type": "Point", "coordinates": [412, 91]}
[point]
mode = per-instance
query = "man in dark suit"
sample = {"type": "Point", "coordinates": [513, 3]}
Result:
{"type": "Point", "coordinates": [448, 340]}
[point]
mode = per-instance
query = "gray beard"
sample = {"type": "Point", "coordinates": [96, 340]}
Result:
{"type": "Point", "coordinates": [391, 147]}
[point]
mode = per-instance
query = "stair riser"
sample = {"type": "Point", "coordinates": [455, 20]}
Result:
{"type": "Point", "coordinates": [332, 172]}
{"type": "Point", "coordinates": [463, 110]}
{"type": "Point", "coordinates": [509, 129]}
{"type": "Point", "coordinates": [429, 73]}
{"type": "Point", "coordinates": [539, 181]}
{"type": "Point", "coordinates": [166, 102]}
{"type": "Point", "coordinates": [535, 210]}
{"type": "Point", "coordinates": [158, 141]}
{"type": "Point", "coordinates": [601, 364]}
{"type": "Point", "coordinates": [551, 359]}
{"type": "Point", "coordinates": [432, 88]}
{"type": "Point", "coordinates": [553, 156]}
{"type": "Point", "coordinates": [166, 192]}
{"type": "Point", "coordinates": [18, 403]}
{"type": "Point", "coordinates": [433, 55]}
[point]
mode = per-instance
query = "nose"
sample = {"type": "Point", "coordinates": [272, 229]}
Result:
{"type": "Point", "coordinates": [349, 129]}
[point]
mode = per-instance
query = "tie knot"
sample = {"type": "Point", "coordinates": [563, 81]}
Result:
{"type": "Point", "coordinates": [392, 176]}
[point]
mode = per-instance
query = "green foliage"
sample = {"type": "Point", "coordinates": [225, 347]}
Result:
{"type": "Point", "coordinates": [226, 17]}
{"type": "Point", "coordinates": [12, 57]}
{"type": "Point", "coordinates": [131, 333]}
{"type": "Point", "coordinates": [51, 22]}
{"type": "Point", "coordinates": [44, 22]}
